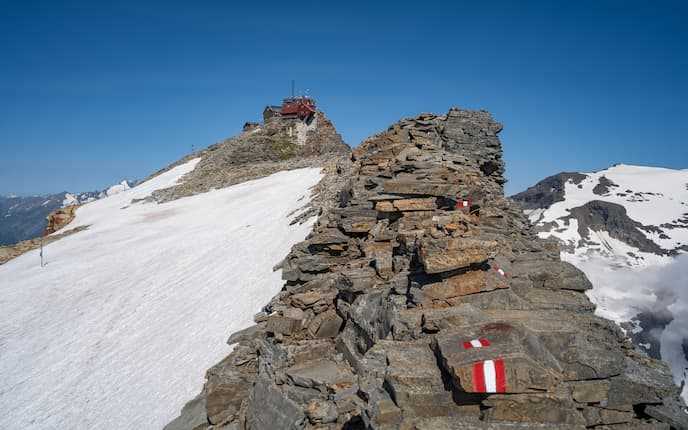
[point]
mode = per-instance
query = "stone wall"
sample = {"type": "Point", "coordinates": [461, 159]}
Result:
{"type": "Point", "coordinates": [424, 300]}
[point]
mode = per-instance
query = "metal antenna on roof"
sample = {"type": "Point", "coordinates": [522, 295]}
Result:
{"type": "Point", "coordinates": [292, 88]}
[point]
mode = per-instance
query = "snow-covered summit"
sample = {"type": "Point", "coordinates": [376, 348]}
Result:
{"type": "Point", "coordinates": [635, 214]}
{"type": "Point", "coordinates": [116, 189]}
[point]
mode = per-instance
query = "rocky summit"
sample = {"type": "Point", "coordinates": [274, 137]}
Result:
{"type": "Point", "coordinates": [260, 150]}
{"type": "Point", "coordinates": [423, 299]}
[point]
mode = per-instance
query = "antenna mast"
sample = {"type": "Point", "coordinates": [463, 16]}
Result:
{"type": "Point", "coordinates": [292, 88]}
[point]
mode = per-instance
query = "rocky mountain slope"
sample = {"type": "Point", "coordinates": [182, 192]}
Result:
{"type": "Point", "coordinates": [116, 329]}
{"type": "Point", "coordinates": [24, 218]}
{"type": "Point", "coordinates": [626, 227]}
{"type": "Point", "coordinates": [278, 144]}
{"type": "Point", "coordinates": [425, 300]}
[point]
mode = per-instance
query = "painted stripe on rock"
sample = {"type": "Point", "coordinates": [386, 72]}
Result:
{"type": "Point", "coordinates": [463, 204]}
{"type": "Point", "coordinates": [489, 376]}
{"type": "Point", "coordinates": [476, 343]}
{"type": "Point", "coordinates": [478, 377]}
{"type": "Point", "coordinates": [499, 270]}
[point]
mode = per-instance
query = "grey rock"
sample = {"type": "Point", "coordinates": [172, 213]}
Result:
{"type": "Point", "coordinates": [270, 409]}
{"type": "Point", "coordinates": [193, 416]}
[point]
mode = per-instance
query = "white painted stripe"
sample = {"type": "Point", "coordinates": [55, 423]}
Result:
{"type": "Point", "coordinates": [476, 343]}
{"type": "Point", "coordinates": [490, 376]}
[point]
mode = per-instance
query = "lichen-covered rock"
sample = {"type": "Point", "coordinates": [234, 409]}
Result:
{"type": "Point", "coordinates": [60, 218]}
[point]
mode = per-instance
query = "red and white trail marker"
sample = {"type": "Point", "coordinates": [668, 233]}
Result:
{"type": "Point", "coordinates": [476, 343]}
{"type": "Point", "coordinates": [499, 271]}
{"type": "Point", "coordinates": [489, 376]}
{"type": "Point", "coordinates": [463, 204]}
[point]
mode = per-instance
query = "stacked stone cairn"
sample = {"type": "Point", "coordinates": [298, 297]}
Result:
{"type": "Point", "coordinates": [424, 300]}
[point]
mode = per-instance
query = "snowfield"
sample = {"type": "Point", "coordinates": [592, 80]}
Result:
{"type": "Point", "coordinates": [621, 293]}
{"type": "Point", "coordinates": [116, 330]}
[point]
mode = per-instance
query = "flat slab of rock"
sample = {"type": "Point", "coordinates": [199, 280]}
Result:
{"type": "Point", "coordinates": [494, 358]}
{"type": "Point", "coordinates": [407, 205]}
{"type": "Point", "coordinates": [442, 255]}
{"type": "Point", "coordinates": [423, 188]}
{"type": "Point", "coordinates": [534, 408]}
{"type": "Point", "coordinates": [415, 381]}
{"type": "Point", "coordinates": [320, 373]}
{"type": "Point", "coordinates": [472, 282]}
{"type": "Point", "coordinates": [282, 413]}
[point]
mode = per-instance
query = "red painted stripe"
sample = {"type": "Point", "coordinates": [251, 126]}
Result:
{"type": "Point", "coordinates": [478, 378]}
{"type": "Point", "coordinates": [500, 375]}
{"type": "Point", "coordinates": [484, 342]}
{"type": "Point", "coordinates": [467, 345]}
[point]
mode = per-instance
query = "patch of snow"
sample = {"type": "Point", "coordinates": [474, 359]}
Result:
{"type": "Point", "coordinates": [118, 188]}
{"type": "Point", "coordinates": [46, 202]}
{"type": "Point", "coordinates": [534, 215]}
{"type": "Point", "coordinates": [117, 329]}
{"type": "Point", "coordinates": [566, 231]}
{"type": "Point", "coordinates": [69, 199]}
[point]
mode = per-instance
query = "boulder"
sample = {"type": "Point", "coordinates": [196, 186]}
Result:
{"type": "Point", "coordinates": [193, 416]}
{"type": "Point", "coordinates": [475, 281]}
{"type": "Point", "coordinates": [418, 187]}
{"type": "Point", "coordinates": [446, 254]}
{"type": "Point", "coordinates": [325, 325]}
{"type": "Point", "coordinates": [270, 409]}
{"type": "Point", "coordinates": [414, 381]}
{"type": "Point", "coordinates": [407, 205]}
{"type": "Point", "coordinates": [533, 408]}
{"type": "Point", "coordinates": [226, 389]}
{"type": "Point", "coordinates": [321, 374]}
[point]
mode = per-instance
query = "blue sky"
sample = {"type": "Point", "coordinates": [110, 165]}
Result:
{"type": "Point", "coordinates": [92, 92]}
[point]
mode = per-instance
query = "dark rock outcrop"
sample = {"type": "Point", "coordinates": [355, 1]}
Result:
{"type": "Point", "coordinates": [548, 191]}
{"type": "Point", "coordinates": [598, 215]}
{"type": "Point", "coordinates": [425, 300]}
{"type": "Point", "coordinates": [604, 186]}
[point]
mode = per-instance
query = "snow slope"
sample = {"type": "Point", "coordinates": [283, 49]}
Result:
{"type": "Point", "coordinates": [114, 331]}
{"type": "Point", "coordinates": [646, 291]}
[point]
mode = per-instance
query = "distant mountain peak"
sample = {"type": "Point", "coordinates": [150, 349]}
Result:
{"type": "Point", "coordinates": [644, 208]}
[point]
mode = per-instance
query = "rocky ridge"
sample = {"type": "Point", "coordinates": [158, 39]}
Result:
{"type": "Point", "coordinates": [425, 300]}
{"type": "Point", "coordinates": [261, 150]}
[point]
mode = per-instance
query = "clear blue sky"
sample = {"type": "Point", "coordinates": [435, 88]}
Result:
{"type": "Point", "coordinates": [91, 92]}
